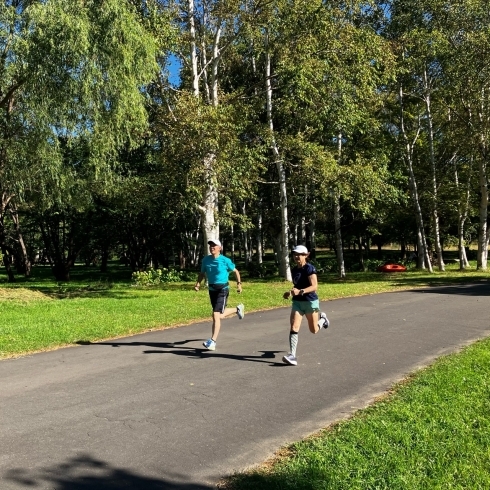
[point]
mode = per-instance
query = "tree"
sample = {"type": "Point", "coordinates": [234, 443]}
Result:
{"type": "Point", "coordinates": [71, 76]}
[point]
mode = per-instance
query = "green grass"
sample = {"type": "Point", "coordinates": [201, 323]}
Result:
{"type": "Point", "coordinates": [432, 432]}
{"type": "Point", "coordinates": [40, 314]}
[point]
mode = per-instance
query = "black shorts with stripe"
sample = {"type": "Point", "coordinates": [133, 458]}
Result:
{"type": "Point", "coordinates": [219, 299]}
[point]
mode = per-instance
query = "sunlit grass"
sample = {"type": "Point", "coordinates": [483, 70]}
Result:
{"type": "Point", "coordinates": [40, 314]}
{"type": "Point", "coordinates": [433, 431]}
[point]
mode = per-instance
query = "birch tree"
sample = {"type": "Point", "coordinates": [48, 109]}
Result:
{"type": "Point", "coordinates": [468, 79]}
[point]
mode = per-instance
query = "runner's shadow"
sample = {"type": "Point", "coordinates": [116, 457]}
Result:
{"type": "Point", "coordinates": [206, 354]}
{"type": "Point", "coordinates": [191, 352]}
{"type": "Point", "coordinates": [130, 344]}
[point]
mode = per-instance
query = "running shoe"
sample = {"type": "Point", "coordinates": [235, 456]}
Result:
{"type": "Point", "coordinates": [290, 359]}
{"type": "Point", "coordinates": [240, 311]}
{"type": "Point", "coordinates": [323, 321]}
{"type": "Point", "coordinates": [210, 344]}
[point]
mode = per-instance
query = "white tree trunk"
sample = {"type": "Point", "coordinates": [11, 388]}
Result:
{"type": "Point", "coordinates": [409, 146]}
{"type": "Point", "coordinates": [258, 235]}
{"type": "Point", "coordinates": [283, 252]}
{"type": "Point", "coordinates": [463, 207]}
{"type": "Point", "coordinates": [338, 236]}
{"type": "Point", "coordinates": [312, 228]}
{"type": "Point", "coordinates": [336, 214]}
{"type": "Point", "coordinates": [214, 67]}
{"type": "Point", "coordinates": [192, 32]}
{"type": "Point", "coordinates": [483, 235]}
{"type": "Point", "coordinates": [482, 228]}
{"type": "Point", "coordinates": [420, 255]}
{"type": "Point", "coordinates": [209, 207]}
{"type": "Point", "coordinates": [435, 214]}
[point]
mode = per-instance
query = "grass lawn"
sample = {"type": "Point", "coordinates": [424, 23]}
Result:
{"type": "Point", "coordinates": [40, 314]}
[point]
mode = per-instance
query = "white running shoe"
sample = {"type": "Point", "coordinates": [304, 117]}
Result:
{"type": "Point", "coordinates": [323, 321]}
{"type": "Point", "coordinates": [290, 359]}
{"type": "Point", "coordinates": [240, 311]}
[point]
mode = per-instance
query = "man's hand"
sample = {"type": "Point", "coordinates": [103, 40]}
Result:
{"type": "Point", "coordinates": [286, 295]}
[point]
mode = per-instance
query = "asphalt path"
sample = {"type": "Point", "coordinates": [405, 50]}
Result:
{"type": "Point", "coordinates": [156, 411]}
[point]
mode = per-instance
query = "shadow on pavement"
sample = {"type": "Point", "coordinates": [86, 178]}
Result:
{"type": "Point", "coordinates": [191, 352]}
{"type": "Point", "coordinates": [482, 289]}
{"type": "Point", "coordinates": [85, 472]}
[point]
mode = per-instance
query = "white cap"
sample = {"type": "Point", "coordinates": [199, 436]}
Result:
{"type": "Point", "coordinates": [300, 249]}
{"type": "Point", "coordinates": [214, 242]}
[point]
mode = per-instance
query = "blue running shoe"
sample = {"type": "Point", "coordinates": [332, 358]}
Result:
{"type": "Point", "coordinates": [210, 344]}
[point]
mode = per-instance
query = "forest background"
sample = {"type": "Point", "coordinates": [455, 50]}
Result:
{"type": "Point", "coordinates": [139, 129]}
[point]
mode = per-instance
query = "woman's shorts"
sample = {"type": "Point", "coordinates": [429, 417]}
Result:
{"type": "Point", "coordinates": [304, 307]}
{"type": "Point", "coordinates": [219, 299]}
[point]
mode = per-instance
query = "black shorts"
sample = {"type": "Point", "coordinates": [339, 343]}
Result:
{"type": "Point", "coordinates": [219, 299]}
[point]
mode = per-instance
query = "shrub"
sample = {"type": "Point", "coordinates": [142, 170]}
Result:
{"type": "Point", "coordinates": [325, 265]}
{"type": "Point", "coordinates": [261, 270]}
{"type": "Point", "coordinates": [153, 277]}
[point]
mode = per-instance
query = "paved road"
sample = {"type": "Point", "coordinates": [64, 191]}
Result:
{"type": "Point", "coordinates": [154, 411]}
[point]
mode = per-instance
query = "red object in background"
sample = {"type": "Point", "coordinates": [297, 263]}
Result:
{"type": "Point", "coordinates": [392, 268]}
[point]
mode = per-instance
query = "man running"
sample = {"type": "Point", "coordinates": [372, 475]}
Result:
{"type": "Point", "coordinates": [216, 268]}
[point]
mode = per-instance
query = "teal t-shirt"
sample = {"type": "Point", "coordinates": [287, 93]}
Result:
{"type": "Point", "coordinates": [217, 270]}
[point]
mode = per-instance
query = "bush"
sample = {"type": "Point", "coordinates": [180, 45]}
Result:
{"type": "Point", "coordinates": [261, 270]}
{"type": "Point", "coordinates": [325, 265]}
{"type": "Point", "coordinates": [373, 264]}
{"type": "Point", "coordinates": [153, 277]}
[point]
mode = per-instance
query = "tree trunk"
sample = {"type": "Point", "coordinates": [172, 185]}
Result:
{"type": "Point", "coordinates": [26, 265]}
{"type": "Point", "coordinates": [258, 236]}
{"type": "Point", "coordinates": [463, 206]}
{"type": "Point", "coordinates": [283, 252]}
{"type": "Point", "coordinates": [361, 254]}
{"type": "Point", "coordinates": [338, 237]}
{"type": "Point", "coordinates": [482, 228]}
{"type": "Point", "coordinates": [209, 207]}
{"type": "Point", "coordinates": [337, 220]}
{"type": "Point", "coordinates": [409, 146]}
{"type": "Point", "coordinates": [435, 214]}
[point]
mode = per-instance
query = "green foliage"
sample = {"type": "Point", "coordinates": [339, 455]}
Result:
{"type": "Point", "coordinates": [323, 265]}
{"type": "Point", "coordinates": [262, 270]}
{"type": "Point", "coordinates": [154, 277]}
{"type": "Point", "coordinates": [373, 264]}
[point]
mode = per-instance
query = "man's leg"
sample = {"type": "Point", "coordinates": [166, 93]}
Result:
{"type": "Point", "coordinates": [220, 311]}
{"type": "Point", "coordinates": [216, 324]}
{"type": "Point", "coordinates": [228, 312]}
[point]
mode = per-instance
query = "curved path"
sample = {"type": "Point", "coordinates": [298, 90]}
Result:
{"type": "Point", "coordinates": [154, 411]}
